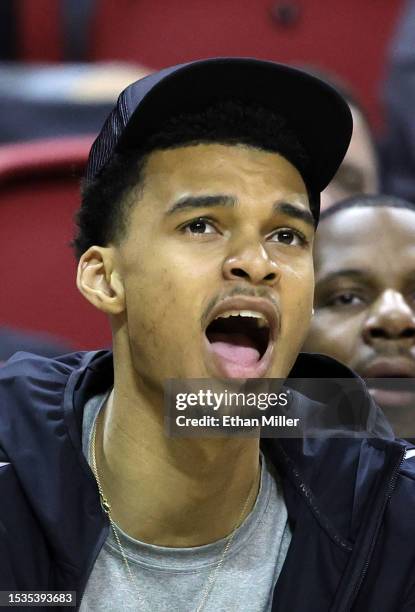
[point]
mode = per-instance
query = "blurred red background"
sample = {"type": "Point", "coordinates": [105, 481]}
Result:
{"type": "Point", "coordinates": [349, 37]}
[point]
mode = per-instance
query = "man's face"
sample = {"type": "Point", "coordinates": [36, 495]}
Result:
{"type": "Point", "coordinates": [218, 230]}
{"type": "Point", "coordinates": [365, 295]}
{"type": "Point", "coordinates": [358, 172]}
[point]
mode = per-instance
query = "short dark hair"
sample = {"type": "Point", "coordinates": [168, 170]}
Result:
{"type": "Point", "coordinates": [364, 201]}
{"type": "Point", "coordinates": [105, 204]}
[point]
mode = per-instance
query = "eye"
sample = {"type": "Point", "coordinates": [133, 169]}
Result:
{"type": "Point", "coordinates": [348, 298]}
{"type": "Point", "coordinates": [199, 226]}
{"type": "Point", "coordinates": [289, 236]}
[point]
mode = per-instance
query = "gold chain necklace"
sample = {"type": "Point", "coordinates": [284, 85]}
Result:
{"type": "Point", "coordinates": [107, 509]}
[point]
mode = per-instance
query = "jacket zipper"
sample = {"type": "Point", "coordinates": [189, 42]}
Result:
{"type": "Point", "coordinates": [356, 582]}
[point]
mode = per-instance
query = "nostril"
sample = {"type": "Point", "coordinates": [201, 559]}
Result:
{"type": "Point", "coordinates": [239, 272]}
{"type": "Point", "coordinates": [408, 333]}
{"type": "Point", "coordinates": [270, 276]}
{"type": "Point", "coordinates": [377, 332]}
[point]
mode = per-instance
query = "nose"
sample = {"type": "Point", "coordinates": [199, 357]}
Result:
{"type": "Point", "coordinates": [391, 319]}
{"type": "Point", "coordinates": [252, 263]}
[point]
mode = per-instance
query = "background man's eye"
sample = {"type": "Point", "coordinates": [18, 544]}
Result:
{"type": "Point", "coordinates": [199, 226]}
{"type": "Point", "coordinates": [346, 299]}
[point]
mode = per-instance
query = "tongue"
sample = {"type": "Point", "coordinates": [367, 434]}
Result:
{"type": "Point", "coordinates": [237, 348]}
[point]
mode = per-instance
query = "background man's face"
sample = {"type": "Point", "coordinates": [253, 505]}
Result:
{"type": "Point", "coordinates": [365, 295]}
{"type": "Point", "coordinates": [358, 172]}
{"type": "Point", "coordinates": [187, 250]}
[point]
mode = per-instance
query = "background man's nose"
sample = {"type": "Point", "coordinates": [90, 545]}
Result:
{"type": "Point", "coordinates": [391, 319]}
{"type": "Point", "coordinates": [253, 264]}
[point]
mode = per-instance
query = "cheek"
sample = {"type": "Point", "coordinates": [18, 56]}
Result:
{"type": "Point", "coordinates": [296, 307]}
{"type": "Point", "coordinates": [162, 308]}
{"type": "Point", "coordinates": [333, 335]}
{"type": "Point", "coordinates": [297, 293]}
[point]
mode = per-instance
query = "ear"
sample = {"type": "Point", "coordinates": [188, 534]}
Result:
{"type": "Point", "coordinates": [99, 282]}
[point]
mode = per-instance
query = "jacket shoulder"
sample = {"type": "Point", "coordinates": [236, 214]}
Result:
{"type": "Point", "coordinates": [24, 364]}
{"type": "Point", "coordinates": [28, 380]}
{"type": "Point", "coordinates": [32, 389]}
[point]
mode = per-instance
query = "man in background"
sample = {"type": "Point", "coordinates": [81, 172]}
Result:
{"type": "Point", "coordinates": [359, 170]}
{"type": "Point", "coordinates": [365, 298]}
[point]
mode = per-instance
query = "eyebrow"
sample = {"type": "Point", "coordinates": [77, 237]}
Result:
{"type": "Point", "coordinates": [293, 211]}
{"type": "Point", "coordinates": [192, 202]}
{"type": "Point", "coordinates": [208, 201]}
{"type": "Point", "coordinates": [349, 272]}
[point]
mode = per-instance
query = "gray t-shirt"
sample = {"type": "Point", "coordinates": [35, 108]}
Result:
{"type": "Point", "coordinates": [174, 579]}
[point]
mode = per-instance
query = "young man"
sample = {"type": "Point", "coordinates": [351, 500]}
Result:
{"type": "Point", "coordinates": [365, 298]}
{"type": "Point", "coordinates": [195, 238]}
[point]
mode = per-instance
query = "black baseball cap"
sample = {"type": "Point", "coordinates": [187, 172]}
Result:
{"type": "Point", "coordinates": [314, 110]}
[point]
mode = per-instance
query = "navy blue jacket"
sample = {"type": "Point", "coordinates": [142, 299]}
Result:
{"type": "Point", "coordinates": [351, 502]}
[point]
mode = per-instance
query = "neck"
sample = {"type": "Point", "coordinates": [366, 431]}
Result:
{"type": "Point", "coordinates": [171, 491]}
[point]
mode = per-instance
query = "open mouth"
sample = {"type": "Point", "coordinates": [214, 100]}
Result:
{"type": "Point", "coordinates": [240, 342]}
{"type": "Point", "coordinates": [239, 338]}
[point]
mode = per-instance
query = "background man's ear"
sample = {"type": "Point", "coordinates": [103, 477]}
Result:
{"type": "Point", "coordinates": [99, 282]}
